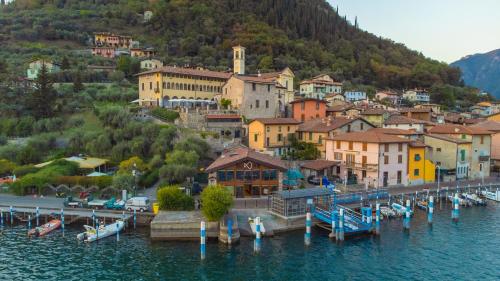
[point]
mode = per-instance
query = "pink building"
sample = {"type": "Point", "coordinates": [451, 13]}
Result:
{"type": "Point", "coordinates": [374, 157]}
{"type": "Point", "coordinates": [106, 52]}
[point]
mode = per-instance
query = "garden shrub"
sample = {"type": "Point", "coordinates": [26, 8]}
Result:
{"type": "Point", "coordinates": [216, 202]}
{"type": "Point", "coordinates": [171, 198]}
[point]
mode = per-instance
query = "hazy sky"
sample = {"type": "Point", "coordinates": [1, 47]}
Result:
{"type": "Point", "coordinates": [445, 30]}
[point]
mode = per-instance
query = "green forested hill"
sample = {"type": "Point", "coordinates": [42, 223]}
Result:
{"type": "Point", "coordinates": [307, 35]}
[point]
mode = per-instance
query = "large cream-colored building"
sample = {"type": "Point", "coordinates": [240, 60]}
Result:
{"type": "Point", "coordinates": [262, 95]}
{"type": "Point", "coordinates": [159, 85]}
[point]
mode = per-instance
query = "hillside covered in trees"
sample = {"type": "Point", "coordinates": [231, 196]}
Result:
{"type": "Point", "coordinates": [307, 35]}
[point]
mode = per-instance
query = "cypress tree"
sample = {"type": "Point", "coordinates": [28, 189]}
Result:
{"type": "Point", "coordinates": [43, 97]}
{"type": "Point", "coordinates": [77, 83]}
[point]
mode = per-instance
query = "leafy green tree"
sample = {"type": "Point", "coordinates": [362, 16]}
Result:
{"type": "Point", "coordinates": [133, 163]}
{"type": "Point", "coordinates": [171, 198]}
{"type": "Point", "coordinates": [176, 173]}
{"type": "Point", "coordinates": [216, 202]}
{"type": "Point", "coordinates": [124, 181]}
{"type": "Point", "coordinates": [188, 158]}
{"type": "Point", "coordinates": [225, 103]}
{"type": "Point", "coordinates": [7, 167]}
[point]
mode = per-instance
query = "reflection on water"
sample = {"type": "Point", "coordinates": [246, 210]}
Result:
{"type": "Point", "coordinates": [465, 250]}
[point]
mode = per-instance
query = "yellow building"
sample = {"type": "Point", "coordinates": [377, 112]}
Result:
{"type": "Point", "coordinates": [158, 86]}
{"type": "Point", "coordinates": [494, 117]}
{"type": "Point", "coordinates": [270, 135]}
{"type": "Point", "coordinates": [420, 169]}
{"type": "Point", "coordinates": [112, 40]}
{"type": "Point", "coordinates": [376, 116]}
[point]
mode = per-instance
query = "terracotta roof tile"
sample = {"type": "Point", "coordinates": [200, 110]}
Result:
{"type": "Point", "coordinates": [276, 121]}
{"type": "Point", "coordinates": [400, 119]}
{"type": "Point", "coordinates": [415, 110]}
{"type": "Point", "coordinates": [241, 154]}
{"type": "Point", "coordinates": [324, 125]}
{"type": "Point", "coordinates": [308, 99]}
{"type": "Point", "coordinates": [492, 126]}
{"type": "Point", "coordinates": [458, 129]}
{"type": "Point", "coordinates": [319, 164]}
{"type": "Point", "coordinates": [395, 131]}
{"type": "Point", "coordinates": [449, 139]}
{"type": "Point", "coordinates": [189, 71]}
{"type": "Point", "coordinates": [370, 137]}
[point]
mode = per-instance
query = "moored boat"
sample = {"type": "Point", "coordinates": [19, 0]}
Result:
{"type": "Point", "coordinates": [92, 234]}
{"type": "Point", "coordinates": [387, 212]}
{"type": "Point", "coordinates": [45, 229]}
{"type": "Point", "coordinates": [422, 205]}
{"type": "Point", "coordinates": [251, 221]}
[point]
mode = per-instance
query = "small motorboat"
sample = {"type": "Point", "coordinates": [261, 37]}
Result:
{"type": "Point", "coordinates": [45, 229]}
{"type": "Point", "coordinates": [387, 212]}
{"type": "Point", "coordinates": [251, 221]}
{"type": "Point", "coordinates": [400, 209]}
{"type": "Point", "coordinates": [474, 198]}
{"type": "Point", "coordinates": [422, 205]}
{"type": "Point", "coordinates": [92, 234]}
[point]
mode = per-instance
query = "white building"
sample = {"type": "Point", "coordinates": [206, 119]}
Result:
{"type": "Point", "coordinates": [319, 86]}
{"type": "Point", "coordinates": [151, 64]}
{"type": "Point", "coordinates": [417, 95]}
{"type": "Point", "coordinates": [353, 96]}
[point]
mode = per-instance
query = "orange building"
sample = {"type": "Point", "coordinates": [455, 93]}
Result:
{"type": "Point", "coordinates": [308, 109]}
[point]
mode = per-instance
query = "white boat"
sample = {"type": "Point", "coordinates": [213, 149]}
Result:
{"type": "Point", "coordinates": [251, 221]}
{"type": "Point", "coordinates": [495, 196]}
{"type": "Point", "coordinates": [400, 209]}
{"type": "Point", "coordinates": [462, 202]}
{"type": "Point", "coordinates": [92, 234]}
{"type": "Point", "coordinates": [387, 212]}
{"type": "Point", "coordinates": [474, 198]}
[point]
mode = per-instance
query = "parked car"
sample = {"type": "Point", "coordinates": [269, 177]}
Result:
{"type": "Point", "coordinates": [140, 204]}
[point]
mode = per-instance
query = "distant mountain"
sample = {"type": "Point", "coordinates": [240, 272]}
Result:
{"type": "Point", "coordinates": [482, 71]}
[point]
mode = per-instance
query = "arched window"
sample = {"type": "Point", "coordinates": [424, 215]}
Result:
{"type": "Point", "coordinates": [168, 85]}
{"type": "Point", "coordinates": [189, 87]}
{"type": "Point", "coordinates": [177, 86]}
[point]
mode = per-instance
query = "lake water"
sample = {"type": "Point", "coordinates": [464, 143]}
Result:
{"type": "Point", "coordinates": [467, 250]}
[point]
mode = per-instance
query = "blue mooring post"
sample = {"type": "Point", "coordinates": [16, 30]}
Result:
{"type": "Point", "coordinates": [135, 217]}
{"type": "Point", "coordinates": [37, 216]}
{"type": "Point", "coordinates": [29, 222]}
{"type": "Point", "coordinates": [455, 212]}
{"type": "Point", "coordinates": [93, 218]}
{"type": "Point", "coordinates": [377, 218]}
{"type": "Point", "coordinates": [307, 237]}
{"type": "Point", "coordinates": [11, 215]}
{"type": "Point", "coordinates": [257, 235]}
{"type": "Point", "coordinates": [406, 221]}
{"type": "Point", "coordinates": [117, 232]}
{"type": "Point", "coordinates": [431, 209]}
{"type": "Point", "coordinates": [341, 225]}
{"type": "Point", "coordinates": [62, 219]}
{"type": "Point", "coordinates": [123, 218]}
{"type": "Point", "coordinates": [229, 231]}
{"type": "Point", "coordinates": [97, 230]}
{"type": "Point", "coordinates": [203, 239]}
{"type": "Point", "coordinates": [334, 228]}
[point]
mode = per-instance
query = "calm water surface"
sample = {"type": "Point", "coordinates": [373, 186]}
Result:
{"type": "Point", "coordinates": [467, 250]}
